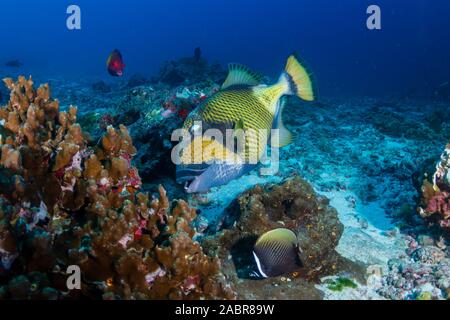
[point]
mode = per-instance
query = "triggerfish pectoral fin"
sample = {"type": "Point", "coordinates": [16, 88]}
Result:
{"type": "Point", "coordinates": [218, 174]}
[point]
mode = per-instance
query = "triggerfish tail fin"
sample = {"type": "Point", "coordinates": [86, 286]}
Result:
{"type": "Point", "coordinates": [298, 80]}
{"type": "Point", "coordinates": [241, 75]}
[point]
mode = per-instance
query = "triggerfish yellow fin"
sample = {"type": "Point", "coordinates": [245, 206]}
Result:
{"type": "Point", "coordinates": [239, 74]}
{"type": "Point", "coordinates": [299, 78]}
{"type": "Point", "coordinates": [276, 253]}
{"type": "Point", "coordinates": [282, 136]}
{"type": "Point", "coordinates": [294, 81]}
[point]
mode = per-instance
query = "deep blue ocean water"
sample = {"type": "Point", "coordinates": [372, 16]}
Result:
{"type": "Point", "coordinates": [410, 54]}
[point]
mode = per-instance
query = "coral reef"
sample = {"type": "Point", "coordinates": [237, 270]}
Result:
{"type": "Point", "coordinates": [344, 147]}
{"type": "Point", "coordinates": [73, 204]}
{"type": "Point", "coordinates": [190, 70]}
{"type": "Point", "coordinates": [150, 111]}
{"type": "Point", "coordinates": [101, 87]}
{"type": "Point", "coordinates": [366, 155]}
{"type": "Point", "coordinates": [435, 204]}
{"type": "Point", "coordinates": [293, 205]}
{"type": "Point", "coordinates": [137, 80]}
{"type": "Point", "coordinates": [443, 92]}
{"type": "Point", "coordinates": [397, 126]}
{"type": "Point", "coordinates": [151, 116]}
{"type": "Point", "coordinates": [423, 273]}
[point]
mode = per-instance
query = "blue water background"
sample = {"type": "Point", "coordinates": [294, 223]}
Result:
{"type": "Point", "coordinates": [409, 55]}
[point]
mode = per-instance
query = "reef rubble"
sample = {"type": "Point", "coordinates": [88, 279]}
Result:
{"type": "Point", "coordinates": [422, 273]}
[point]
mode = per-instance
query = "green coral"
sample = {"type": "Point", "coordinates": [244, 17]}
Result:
{"type": "Point", "coordinates": [341, 283]}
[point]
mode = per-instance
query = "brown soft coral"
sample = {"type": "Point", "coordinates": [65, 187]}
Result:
{"type": "Point", "coordinates": [74, 204]}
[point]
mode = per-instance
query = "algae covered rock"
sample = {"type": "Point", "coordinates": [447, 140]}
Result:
{"type": "Point", "coordinates": [293, 205]}
{"type": "Point", "coordinates": [190, 70]}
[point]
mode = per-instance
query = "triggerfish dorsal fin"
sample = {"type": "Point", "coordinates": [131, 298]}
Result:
{"type": "Point", "coordinates": [282, 137]}
{"type": "Point", "coordinates": [276, 253]}
{"type": "Point", "coordinates": [239, 74]}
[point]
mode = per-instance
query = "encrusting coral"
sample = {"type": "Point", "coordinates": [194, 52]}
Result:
{"type": "Point", "coordinates": [76, 204]}
{"type": "Point", "coordinates": [435, 204]}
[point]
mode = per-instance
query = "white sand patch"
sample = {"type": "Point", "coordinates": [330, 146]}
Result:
{"type": "Point", "coordinates": [221, 197]}
{"type": "Point", "coordinates": [363, 239]}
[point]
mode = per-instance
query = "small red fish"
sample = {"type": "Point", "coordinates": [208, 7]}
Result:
{"type": "Point", "coordinates": [115, 64]}
{"type": "Point", "coordinates": [183, 113]}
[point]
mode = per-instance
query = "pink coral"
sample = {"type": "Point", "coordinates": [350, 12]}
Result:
{"type": "Point", "coordinates": [435, 204]}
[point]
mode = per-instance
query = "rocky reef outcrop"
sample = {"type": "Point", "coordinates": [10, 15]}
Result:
{"type": "Point", "coordinates": [293, 205]}
{"type": "Point", "coordinates": [101, 87]}
{"type": "Point", "coordinates": [68, 203]}
{"type": "Point", "coordinates": [190, 70]}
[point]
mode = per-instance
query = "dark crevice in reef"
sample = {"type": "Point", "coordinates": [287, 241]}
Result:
{"type": "Point", "coordinates": [242, 255]}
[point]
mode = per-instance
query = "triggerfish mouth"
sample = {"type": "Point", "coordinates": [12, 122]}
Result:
{"type": "Point", "coordinates": [228, 133]}
{"type": "Point", "coordinates": [115, 64]}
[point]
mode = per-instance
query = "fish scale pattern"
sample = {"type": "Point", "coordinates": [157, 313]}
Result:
{"type": "Point", "coordinates": [250, 107]}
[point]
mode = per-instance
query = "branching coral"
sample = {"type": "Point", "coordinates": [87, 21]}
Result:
{"type": "Point", "coordinates": [436, 194]}
{"type": "Point", "coordinates": [77, 205]}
